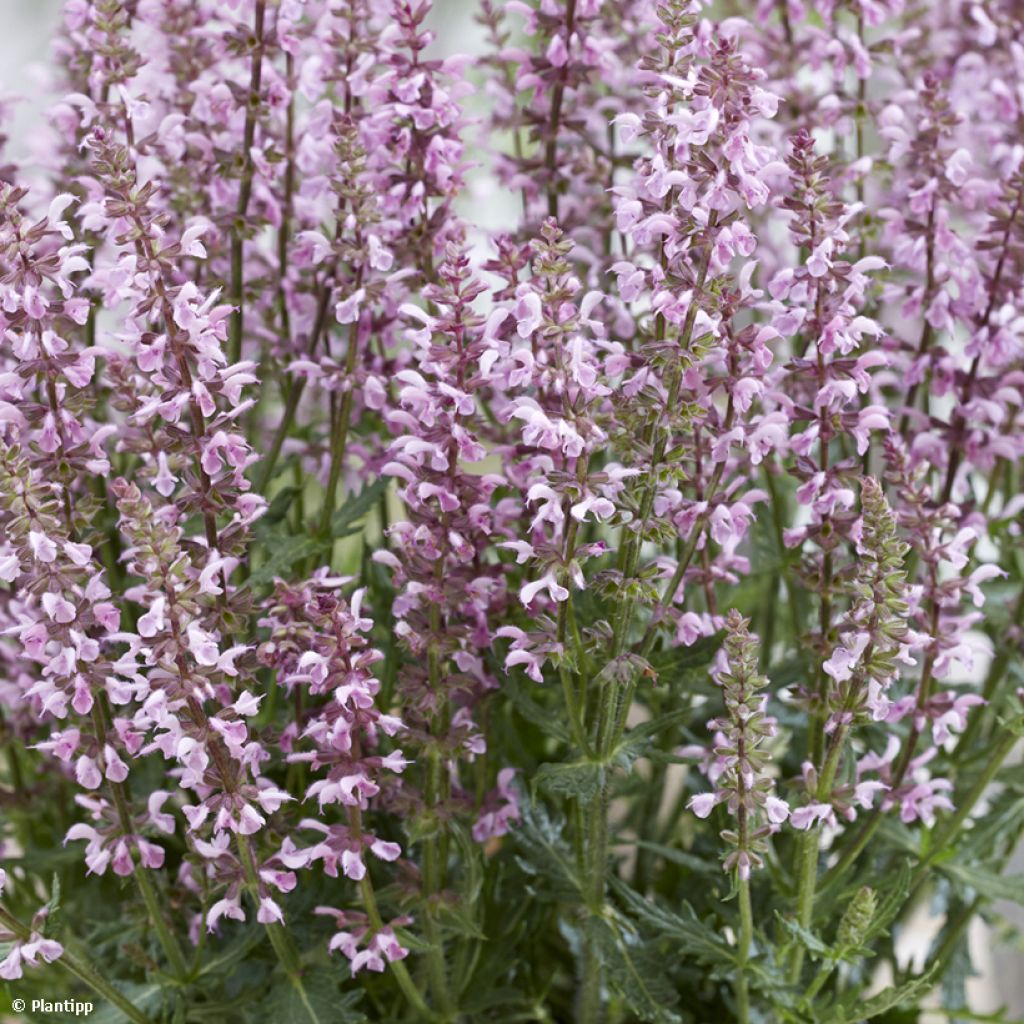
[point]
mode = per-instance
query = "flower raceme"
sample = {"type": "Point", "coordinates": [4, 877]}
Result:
{"type": "Point", "coordinates": [738, 770]}
{"type": "Point", "coordinates": [404, 454]}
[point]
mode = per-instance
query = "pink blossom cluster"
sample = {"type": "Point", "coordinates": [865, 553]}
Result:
{"type": "Point", "coordinates": [365, 529]}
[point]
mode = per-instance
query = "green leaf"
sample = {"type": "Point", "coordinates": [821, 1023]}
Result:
{"type": "Point", "coordinates": [459, 919]}
{"type": "Point", "coordinates": [535, 713]}
{"type": "Point", "coordinates": [900, 836]}
{"type": "Point", "coordinates": [653, 726]}
{"type": "Point", "coordinates": [997, 828]}
{"type": "Point", "coordinates": [680, 857]}
{"type": "Point", "coordinates": [690, 934]}
{"type": "Point", "coordinates": [54, 908]}
{"type": "Point", "coordinates": [278, 508]}
{"type": "Point", "coordinates": [676, 660]}
{"type": "Point", "coordinates": [146, 998]}
{"type": "Point", "coordinates": [580, 779]}
{"type": "Point", "coordinates": [345, 518]}
{"type": "Point", "coordinates": [636, 972]}
{"type": "Point", "coordinates": [818, 949]}
{"type": "Point", "coordinates": [893, 900]}
{"type": "Point", "coordinates": [312, 999]}
{"type": "Point", "coordinates": [224, 959]}
{"type": "Point", "coordinates": [284, 549]}
{"type": "Point", "coordinates": [284, 552]}
{"type": "Point", "coordinates": [638, 741]}
{"type": "Point", "coordinates": [1015, 723]}
{"type": "Point", "coordinates": [510, 1004]}
{"type": "Point", "coordinates": [987, 883]}
{"type": "Point", "coordinates": [544, 856]}
{"type": "Point", "coordinates": [854, 1009]}
{"type": "Point", "coordinates": [472, 872]}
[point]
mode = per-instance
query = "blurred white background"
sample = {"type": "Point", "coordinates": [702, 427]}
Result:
{"type": "Point", "coordinates": [26, 27]}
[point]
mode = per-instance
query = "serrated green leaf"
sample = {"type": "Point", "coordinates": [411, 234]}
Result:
{"type": "Point", "coordinates": [231, 954]}
{"type": "Point", "coordinates": [54, 908]}
{"type": "Point", "coordinates": [854, 1009]}
{"type": "Point", "coordinates": [511, 1005]}
{"type": "Point", "coordinates": [284, 551]}
{"type": "Point", "coordinates": [818, 949]}
{"type": "Point", "coordinates": [898, 835]}
{"type": "Point", "coordinates": [680, 857]}
{"type": "Point", "coordinates": [534, 712]}
{"type": "Point", "coordinates": [312, 999]}
{"type": "Point", "coordinates": [544, 855]}
{"type": "Point", "coordinates": [637, 973]}
{"type": "Point", "coordinates": [356, 507]}
{"type": "Point", "coordinates": [676, 660]}
{"type": "Point", "coordinates": [986, 883]}
{"type": "Point", "coordinates": [146, 998]}
{"type": "Point", "coordinates": [459, 920]}
{"type": "Point", "coordinates": [580, 779]}
{"type": "Point", "coordinates": [995, 828]}
{"type": "Point", "coordinates": [893, 900]}
{"type": "Point", "coordinates": [472, 872]}
{"type": "Point", "coordinates": [278, 508]}
{"type": "Point", "coordinates": [689, 933]}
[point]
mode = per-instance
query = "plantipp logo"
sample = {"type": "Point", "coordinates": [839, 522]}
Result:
{"type": "Point", "coordinates": [66, 1007]}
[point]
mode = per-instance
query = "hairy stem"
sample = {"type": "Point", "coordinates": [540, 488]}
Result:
{"type": "Point", "coordinates": [167, 939]}
{"type": "Point", "coordinates": [807, 850]}
{"type": "Point", "coordinates": [433, 866]}
{"type": "Point", "coordinates": [369, 897]}
{"type": "Point", "coordinates": [339, 439]}
{"type": "Point", "coordinates": [613, 706]}
{"type": "Point", "coordinates": [295, 392]}
{"type": "Point", "coordinates": [743, 952]}
{"type": "Point", "coordinates": [557, 95]}
{"type": "Point", "coordinates": [245, 189]}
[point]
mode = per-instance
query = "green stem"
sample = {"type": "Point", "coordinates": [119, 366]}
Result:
{"type": "Point", "coordinates": [743, 952]}
{"type": "Point", "coordinates": [824, 973]}
{"type": "Point", "coordinates": [245, 190]}
{"type": "Point", "coordinates": [168, 941]}
{"type": "Point", "coordinates": [398, 968]}
{"type": "Point", "coordinates": [743, 885]}
{"type": "Point", "coordinates": [569, 685]}
{"type": "Point", "coordinates": [339, 441]}
{"type": "Point", "coordinates": [551, 146]}
{"type": "Point", "coordinates": [295, 391]}
{"type": "Point", "coordinates": [807, 851]}
{"type": "Point", "coordinates": [779, 516]}
{"type": "Point", "coordinates": [942, 835]}
{"type": "Point", "coordinates": [967, 742]}
{"type": "Point", "coordinates": [613, 708]}
{"type": "Point", "coordinates": [433, 867]}
{"type": "Point", "coordinates": [276, 932]}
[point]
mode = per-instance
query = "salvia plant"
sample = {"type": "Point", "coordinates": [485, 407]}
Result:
{"type": "Point", "coordinates": [615, 616]}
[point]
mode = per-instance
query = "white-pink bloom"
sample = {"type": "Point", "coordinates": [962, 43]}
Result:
{"type": "Point", "coordinates": [548, 582]}
{"type": "Point", "coordinates": [702, 804]}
